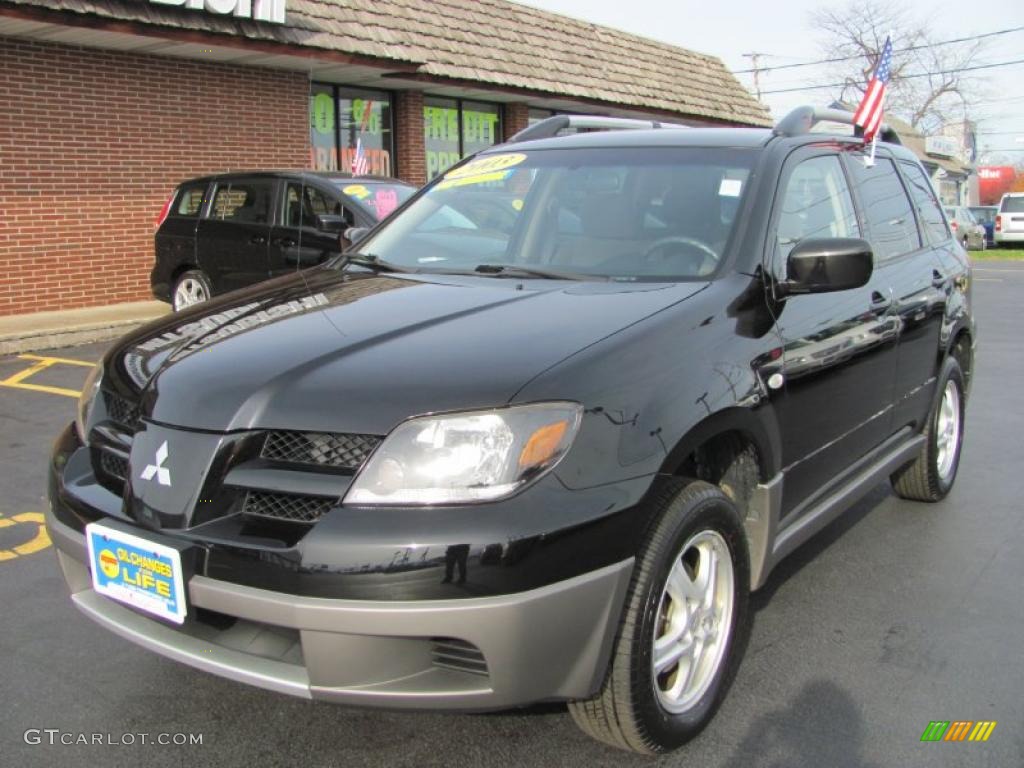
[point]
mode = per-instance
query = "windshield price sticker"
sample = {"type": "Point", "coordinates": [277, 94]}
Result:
{"type": "Point", "coordinates": [486, 165]}
{"type": "Point", "coordinates": [357, 191]}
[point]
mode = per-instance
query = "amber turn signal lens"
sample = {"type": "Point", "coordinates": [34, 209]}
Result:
{"type": "Point", "coordinates": [542, 444]}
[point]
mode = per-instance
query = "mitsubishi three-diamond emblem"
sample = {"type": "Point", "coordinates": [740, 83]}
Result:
{"type": "Point", "coordinates": [163, 475]}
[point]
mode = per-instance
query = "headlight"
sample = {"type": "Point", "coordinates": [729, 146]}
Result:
{"type": "Point", "coordinates": [471, 456]}
{"type": "Point", "coordinates": [85, 401]}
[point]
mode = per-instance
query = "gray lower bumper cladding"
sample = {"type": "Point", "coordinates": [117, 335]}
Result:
{"type": "Point", "coordinates": [471, 654]}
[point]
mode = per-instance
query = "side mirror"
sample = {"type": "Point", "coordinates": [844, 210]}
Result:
{"type": "Point", "coordinates": [331, 223]}
{"type": "Point", "coordinates": [354, 234]}
{"type": "Point", "coordinates": [824, 265]}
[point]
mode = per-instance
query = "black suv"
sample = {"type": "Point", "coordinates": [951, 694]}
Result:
{"type": "Point", "coordinates": [218, 233]}
{"type": "Point", "coordinates": [540, 437]}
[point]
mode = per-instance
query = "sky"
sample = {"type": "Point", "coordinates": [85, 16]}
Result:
{"type": "Point", "coordinates": [730, 28]}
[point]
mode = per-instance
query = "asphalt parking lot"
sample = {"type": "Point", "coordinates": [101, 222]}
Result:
{"type": "Point", "coordinates": [897, 615]}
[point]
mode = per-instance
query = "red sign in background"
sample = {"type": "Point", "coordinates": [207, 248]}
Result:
{"type": "Point", "coordinates": [993, 181]}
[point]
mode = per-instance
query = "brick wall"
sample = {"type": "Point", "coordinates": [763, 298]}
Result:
{"type": "Point", "coordinates": [409, 141]}
{"type": "Point", "coordinates": [91, 144]}
{"type": "Point", "coordinates": [517, 117]}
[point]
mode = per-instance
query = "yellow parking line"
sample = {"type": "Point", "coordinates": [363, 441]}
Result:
{"type": "Point", "coordinates": [20, 376]}
{"type": "Point", "coordinates": [17, 380]}
{"type": "Point", "coordinates": [37, 543]}
{"type": "Point", "coordinates": [63, 360]}
{"type": "Point", "coordinates": [43, 388]}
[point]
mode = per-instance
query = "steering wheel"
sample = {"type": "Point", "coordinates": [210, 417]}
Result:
{"type": "Point", "coordinates": [690, 243]}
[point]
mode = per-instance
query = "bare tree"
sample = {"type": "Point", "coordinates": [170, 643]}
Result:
{"type": "Point", "coordinates": [928, 86]}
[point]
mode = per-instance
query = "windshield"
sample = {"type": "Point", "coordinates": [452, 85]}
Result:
{"type": "Point", "coordinates": [1013, 204]}
{"type": "Point", "coordinates": [624, 213]}
{"type": "Point", "coordinates": [379, 198]}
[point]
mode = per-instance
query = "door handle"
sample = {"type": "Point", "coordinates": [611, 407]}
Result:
{"type": "Point", "coordinates": [937, 279]}
{"type": "Point", "coordinates": [880, 300]}
{"type": "Point", "coordinates": [285, 242]}
{"type": "Point", "coordinates": [257, 240]}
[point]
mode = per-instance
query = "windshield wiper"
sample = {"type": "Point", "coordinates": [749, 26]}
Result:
{"type": "Point", "coordinates": [514, 270]}
{"type": "Point", "coordinates": [370, 261]}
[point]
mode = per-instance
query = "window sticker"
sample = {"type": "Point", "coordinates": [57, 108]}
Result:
{"type": "Point", "coordinates": [486, 165]}
{"type": "Point", "coordinates": [477, 178]}
{"type": "Point", "coordinates": [357, 191]}
{"type": "Point", "coordinates": [384, 202]}
{"type": "Point", "coordinates": [730, 188]}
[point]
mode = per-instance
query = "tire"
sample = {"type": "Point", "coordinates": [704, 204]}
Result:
{"type": "Point", "coordinates": [633, 709]}
{"type": "Point", "coordinates": [192, 287]}
{"type": "Point", "coordinates": [931, 475]}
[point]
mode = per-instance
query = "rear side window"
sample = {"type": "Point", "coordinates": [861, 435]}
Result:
{"type": "Point", "coordinates": [1012, 204]}
{"type": "Point", "coordinates": [815, 204]}
{"type": "Point", "coordinates": [244, 201]}
{"type": "Point", "coordinates": [190, 200]}
{"type": "Point", "coordinates": [886, 207]}
{"type": "Point", "coordinates": [927, 206]}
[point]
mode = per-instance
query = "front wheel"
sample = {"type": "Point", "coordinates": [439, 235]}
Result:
{"type": "Point", "coordinates": [683, 629]}
{"type": "Point", "coordinates": [930, 476]}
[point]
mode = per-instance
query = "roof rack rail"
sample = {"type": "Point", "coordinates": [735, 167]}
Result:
{"type": "Point", "coordinates": [550, 126]}
{"type": "Point", "coordinates": [801, 120]}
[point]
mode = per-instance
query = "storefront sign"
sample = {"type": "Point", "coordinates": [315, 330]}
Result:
{"type": "Point", "coordinates": [941, 146]}
{"type": "Point", "coordinates": [993, 181]}
{"type": "Point", "coordinates": [442, 134]}
{"type": "Point", "coordinates": [257, 10]}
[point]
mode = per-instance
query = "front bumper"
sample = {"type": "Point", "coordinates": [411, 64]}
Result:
{"type": "Point", "coordinates": [551, 643]}
{"type": "Point", "coordinates": [496, 639]}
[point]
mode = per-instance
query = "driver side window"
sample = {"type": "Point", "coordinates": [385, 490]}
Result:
{"type": "Point", "coordinates": [816, 203]}
{"type": "Point", "coordinates": [302, 205]}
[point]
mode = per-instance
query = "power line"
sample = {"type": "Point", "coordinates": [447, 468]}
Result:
{"type": "Point", "coordinates": [904, 77]}
{"type": "Point", "coordinates": [755, 68]}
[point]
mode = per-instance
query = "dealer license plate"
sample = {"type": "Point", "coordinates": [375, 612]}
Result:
{"type": "Point", "coordinates": [144, 574]}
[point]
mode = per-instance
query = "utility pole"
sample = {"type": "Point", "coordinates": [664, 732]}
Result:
{"type": "Point", "coordinates": [754, 57]}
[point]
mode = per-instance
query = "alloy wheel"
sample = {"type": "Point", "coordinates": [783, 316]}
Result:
{"type": "Point", "coordinates": [188, 292]}
{"type": "Point", "coordinates": [695, 613]}
{"type": "Point", "coordinates": [947, 431]}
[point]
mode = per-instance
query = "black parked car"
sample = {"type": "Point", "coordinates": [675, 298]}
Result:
{"type": "Point", "coordinates": [548, 457]}
{"type": "Point", "coordinates": [219, 233]}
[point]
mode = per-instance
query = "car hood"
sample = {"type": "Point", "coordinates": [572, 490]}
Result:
{"type": "Point", "coordinates": [334, 350]}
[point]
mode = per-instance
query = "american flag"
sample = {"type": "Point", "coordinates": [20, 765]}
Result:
{"type": "Point", "coordinates": [360, 165]}
{"type": "Point", "coordinates": [869, 113]}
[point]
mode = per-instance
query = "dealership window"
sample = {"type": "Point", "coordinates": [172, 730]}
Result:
{"type": "Point", "coordinates": [453, 129]}
{"type": "Point", "coordinates": [340, 118]}
{"type": "Point", "coordinates": [949, 192]}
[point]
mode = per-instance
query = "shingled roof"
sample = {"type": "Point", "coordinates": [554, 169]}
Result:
{"type": "Point", "coordinates": [490, 42]}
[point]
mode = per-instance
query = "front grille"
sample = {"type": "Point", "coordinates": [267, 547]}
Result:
{"type": "Point", "coordinates": [286, 506]}
{"type": "Point", "coordinates": [324, 449]}
{"type": "Point", "coordinates": [450, 653]}
{"type": "Point", "coordinates": [121, 410]}
{"type": "Point", "coordinates": [114, 465]}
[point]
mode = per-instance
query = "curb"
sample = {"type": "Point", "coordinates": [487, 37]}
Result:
{"type": "Point", "coordinates": [74, 328]}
